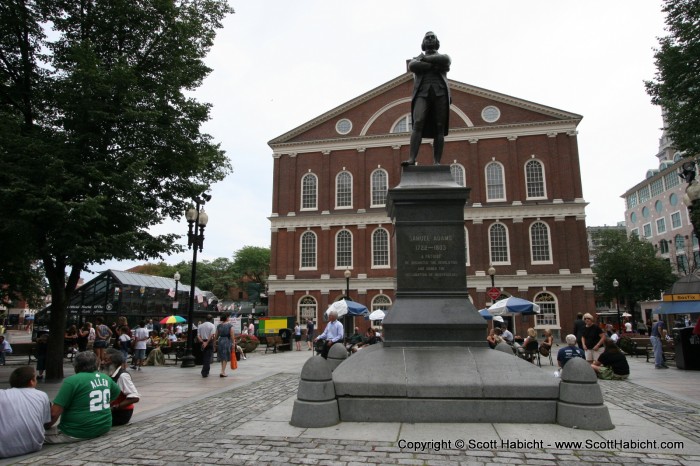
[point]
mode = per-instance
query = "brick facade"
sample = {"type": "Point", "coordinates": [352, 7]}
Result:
{"type": "Point", "coordinates": [523, 136]}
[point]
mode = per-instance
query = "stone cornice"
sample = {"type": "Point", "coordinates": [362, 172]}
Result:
{"type": "Point", "coordinates": [477, 215]}
{"type": "Point", "coordinates": [398, 139]}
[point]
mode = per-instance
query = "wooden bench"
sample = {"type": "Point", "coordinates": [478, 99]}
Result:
{"type": "Point", "coordinates": [668, 350]}
{"type": "Point", "coordinates": [275, 343]}
{"type": "Point", "coordinates": [24, 349]}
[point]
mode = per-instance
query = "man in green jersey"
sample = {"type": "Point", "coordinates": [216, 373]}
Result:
{"type": "Point", "coordinates": [83, 403]}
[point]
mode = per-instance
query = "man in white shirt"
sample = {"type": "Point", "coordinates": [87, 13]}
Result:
{"type": "Point", "coordinates": [507, 336]}
{"type": "Point", "coordinates": [332, 334]}
{"type": "Point", "coordinates": [205, 336]}
{"type": "Point", "coordinates": [24, 410]}
{"type": "Point", "coordinates": [141, 337]}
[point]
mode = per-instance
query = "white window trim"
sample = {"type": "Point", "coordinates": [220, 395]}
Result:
{"type": "Point", "coordinates": [301, 251]}
{"type": "Point", "coordinates": [486, 182]}
{"type": "Point", "coordinates": [464, 172]}
{"type": "Point", "coordinates": [544, 180]}
{"type": "Point", "coordinates": [352, 247]}
{"type": "Point", "coordinates": [659, 232]}
{"type": "Point", "coordinates": [406, 117]}
{"type": "Point", "coordinates": [507, 261]}
{"type": "Point", "coordinates": [651, 230]}
{"type": "Point", "coordinates": [337, 207]}
{"type": "Point", "coordinates": [466, 246]}
{"type": "Point", "coordinates": [556, 305]}
{"type": "Point", "coordinates": [388, 250]}
{"type": "Point", "coordinates": [371, 187]}
{"type": "Point", "coordinates": [301, 203]}
{"type": "Point", "coordinates": [549, 243]}
{"type": "Point", "coordinates": [679, 216]}
{"type": "Point", "coordinates": [382, 295]}
{"type": "Point", "coordinates": [635, 231]}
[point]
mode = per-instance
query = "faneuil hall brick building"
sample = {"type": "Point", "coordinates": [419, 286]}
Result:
{"type": "Point", "coordinates": [525, 216]}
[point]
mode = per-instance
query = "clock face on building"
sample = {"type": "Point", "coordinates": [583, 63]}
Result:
{"type": "Point", "coordinates": [343, 126]}
{"type": "Point", "coordinates": [490, 114]}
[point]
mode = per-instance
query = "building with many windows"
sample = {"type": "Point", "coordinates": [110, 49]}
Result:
{"type": "Point", "coordinates": [331, 234]}
{"type": "Point", "coordinates": [655, 211]}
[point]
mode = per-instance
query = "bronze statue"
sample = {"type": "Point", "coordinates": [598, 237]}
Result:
{"type": "Point", "coordinates": [430, 105]}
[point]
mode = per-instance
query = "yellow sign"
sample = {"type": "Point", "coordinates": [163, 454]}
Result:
{"type": "Point", "coordinates": [682, 297]}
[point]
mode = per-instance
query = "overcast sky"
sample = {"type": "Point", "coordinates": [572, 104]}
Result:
{"type": "Point", "coordinates": [279, 63]}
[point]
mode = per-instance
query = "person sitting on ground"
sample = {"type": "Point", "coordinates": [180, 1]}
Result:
{"type": "Point", "coordinates": [24, 410]}
{"type": "Point", "coordinates": [123, 406]}
{"type": "Point", "coordinates": [612, 364]}
{"type": "Point", "coordinates": [570, 351]}
{"type": "Point", "coordinates": [82, 403]}
{"type": "Point", "coordinates": [371, 339]}
{"type": "Point", "coordinates": [332, 334]}
{"type": "Point", "coordinates": [155, 356]}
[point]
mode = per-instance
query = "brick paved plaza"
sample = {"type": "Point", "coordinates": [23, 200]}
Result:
{"type": "Point", "coordinates": [244, 419]}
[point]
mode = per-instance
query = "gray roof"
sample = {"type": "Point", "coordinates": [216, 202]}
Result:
{"type": "Point", "coordinates": [152, 281]}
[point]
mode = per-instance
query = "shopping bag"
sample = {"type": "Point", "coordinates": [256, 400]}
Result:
{"type": "Point", "coordinates": [234, 363]}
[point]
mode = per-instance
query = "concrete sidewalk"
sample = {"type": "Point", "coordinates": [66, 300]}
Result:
{"type": "Point", "coordinates": [244, 419]}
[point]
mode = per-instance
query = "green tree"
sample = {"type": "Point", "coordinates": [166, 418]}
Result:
{"type": "Point", "coordinates": [633, 263]}
{"type": "Point", "coordinates": [98, 140]}
{"type": "Point", "coordinates": [251, 265]}
{"type": "Point", "coordinates": [676, 86]}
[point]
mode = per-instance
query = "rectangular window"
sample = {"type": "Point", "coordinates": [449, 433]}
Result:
{"type": "Point", "coordinates": [635, 232]}
{"type": "Point", "coordinates": [661, 226]}
{"type": "Point", "coordinates": [657, 187]}
{"type": "Point", "coordinates": [676, 220]}
{"type": "Point", "coordinates": [644, 194]}
{"type": "Point", "coordinates": [671, 179]}
{"type": "Point", "coordinates": [631, 200]}
{"type": "Point", "coordinates": [647, 230]}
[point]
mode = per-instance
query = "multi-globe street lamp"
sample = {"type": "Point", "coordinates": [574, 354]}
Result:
{"type": "Point", "coordinates": [197, 219]}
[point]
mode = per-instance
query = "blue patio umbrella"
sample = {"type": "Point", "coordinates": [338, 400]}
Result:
{"type": "Point", "coordinates": [343, 307]}
{"type": "Point", "coordinates": [513, 305]}
{"type": "Point", "coordinates": [486, 315]}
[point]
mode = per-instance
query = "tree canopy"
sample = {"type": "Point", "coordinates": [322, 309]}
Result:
{"type": "Point", "coordinates": [98, 139]}
{"type": "Point", "coordinates": [633, 263]}
{"type": "Point", "coordinates": [676, 85]}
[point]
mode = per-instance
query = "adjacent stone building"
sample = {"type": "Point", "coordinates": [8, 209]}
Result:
{"type": "Point", "coordinates": [526, 215]}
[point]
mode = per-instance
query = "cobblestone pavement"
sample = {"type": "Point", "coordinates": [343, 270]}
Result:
{"type": "Point", "coordinates": [682, 418]}
{"type": "Point", "coordinates": [200, 433]}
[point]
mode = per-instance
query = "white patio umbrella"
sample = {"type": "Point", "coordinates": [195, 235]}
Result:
{"type": "Point", "coordinates": [377, 315]}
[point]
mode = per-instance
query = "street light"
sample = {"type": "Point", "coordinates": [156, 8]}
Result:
{"type": "Point", "coordinates": [616, 284]}
{"type": "Point", "coordinates": [197, 219]}
{"type": "Point", "coordinates": [492, 273]}
{"type": "Point", "coordinates": [692, 194]}
{"type": "Point", "coordinates": [177, 280]}
{"type": "Point", "coordinates": [347, 274]}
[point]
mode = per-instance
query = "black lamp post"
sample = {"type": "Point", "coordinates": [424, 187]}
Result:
{"type": "Point", "coordinates": [616, 285]}
{"type": "Point", "coordinates": [176, 277]}
{"type": "Point", "coordinates": [692, 195]}
{"type": "Point", "coordinates": [492, 273]}
{"type": "Point", "coordinates": [196, 219]}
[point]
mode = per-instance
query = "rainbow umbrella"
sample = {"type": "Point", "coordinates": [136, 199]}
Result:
{"type": "Point", "coordinates": [173, 320]}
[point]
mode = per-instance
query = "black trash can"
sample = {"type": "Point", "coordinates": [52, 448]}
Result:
{"type": "Point", "coordinates": [286, 335]}
{"type": "Point", "coordinates": [687, 348]}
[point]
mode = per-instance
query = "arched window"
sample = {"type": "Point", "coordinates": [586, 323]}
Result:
{"type": "Point", "coordinates": [380, 248]}
{"type": "Point", "coordinates": [308, 308]}
{"type": "Point", "coordinates": [381, 302]}
{"type": "Point", "coordinates": [534, 180]}
{"type": "Point", "coordinates": [549, 315]}
{"type": "Point", "coordinates": [539, 243]}
{"type": "Point", "coordinates": [498, 244]}
{"type": "Point", "coordinates": [466, 246]}
{"type": "Point", "coordinates": [309, 192]}
{"type": "Point", "coordinates": [343, 190]}
{"type": "Point", "coordinates": [379, 187]}
{"type": "Point", "coordinates": [343, 249]}
{"type": "Point", "coordinates": [495, 187]}
{"type": "Point", "coordinates": [458, 174]}
{"type": "Point", "coordinates": [308, 250]}
{"type": "Point", "coordinates": [403, 125]}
